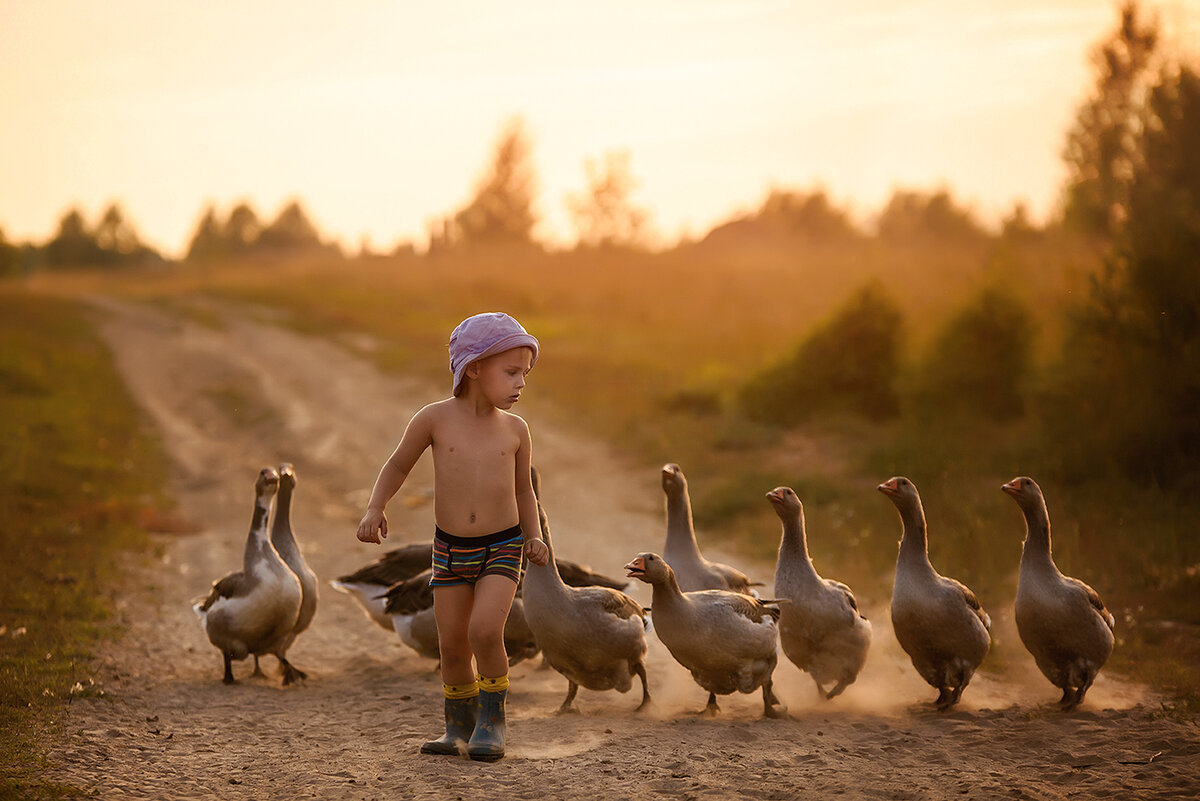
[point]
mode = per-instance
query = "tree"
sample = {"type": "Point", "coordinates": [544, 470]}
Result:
{"type": "Point", "coordinates": [208, 241]}
{"type": "Point", "coordinates": [915, 216]}
{"type": "Point", "coordinates": [1102, 146]}
{"type": "Point", "coordinates": [73, 244]}
{"type": "Point", "coordinates": [1132, 378]}
{"type": "Point", "coordinates": [241, 231]}
{"type": "Point", "coordinates": [605, 216]}
{"type": "Point", "coordinates": [291, 230]}
{"type": "Point", "coordinates": [501, 212]}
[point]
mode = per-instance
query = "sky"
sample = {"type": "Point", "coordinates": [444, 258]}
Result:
{"type": "Point", "coordinates": [381, 116]}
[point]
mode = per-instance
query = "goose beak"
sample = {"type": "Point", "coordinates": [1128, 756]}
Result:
{"type": "Point", "coordinates": [775, 497]}
{"type": "Point", "coordinates": [636, 569]}
{"type": "Point", "coordinates": [888, 487]}
{"type": "Point", "coordinates": [1011, 488]}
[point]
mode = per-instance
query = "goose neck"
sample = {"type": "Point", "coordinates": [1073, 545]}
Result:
{"type": "Point", "coordinates": [680, 530]}
{"type": "Point", "coordinates": [258, 539]}
{"type": "Point", "coordinates": [793, 550]}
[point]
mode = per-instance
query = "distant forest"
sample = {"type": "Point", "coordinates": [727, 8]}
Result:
{"type": "Point", "coordinates": [1129, 374]}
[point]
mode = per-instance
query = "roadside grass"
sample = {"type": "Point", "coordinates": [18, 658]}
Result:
{"type": "Point", "coordinates": [647, 351]}
{"type": "Point", "coordinates": [79, 476]}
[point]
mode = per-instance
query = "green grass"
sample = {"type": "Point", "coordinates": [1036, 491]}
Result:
{"type": "Point", "coordinates": [78, 474]}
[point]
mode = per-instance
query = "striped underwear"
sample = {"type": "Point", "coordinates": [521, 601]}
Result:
{"type": "Point", "coordinates": [465, 560]}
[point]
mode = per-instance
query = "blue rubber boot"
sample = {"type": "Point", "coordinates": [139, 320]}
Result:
{"type": "Point", "coordinates": [487, 743]}
{"type": "Point", "coordinates": [461, 714]}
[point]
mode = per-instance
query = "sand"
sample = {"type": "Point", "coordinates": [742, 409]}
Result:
{"type": "Point", "coordinates": [231, 397]}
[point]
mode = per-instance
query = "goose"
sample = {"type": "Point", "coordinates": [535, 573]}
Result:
{"type": "Point", "coordinates": [595, 636]}
{"type": "Point", "coordinates": [409, 607]}
{"type": "Point", "coordinates": [1061, 620]}
{"type": "Point", "coordinates": [692, 570]}
{"type": "Point", "coordinates": [284, 541]}
{"type": "Point", "coordinates": [726, 639]}
{"type": "Point", "coordinates": [254, 611]}
{"type": "Point", "coordinates": [820, 627]}
{"type": "Point", "coordinates": [367, 584]}
{"type": "Point", "coordinates": [938, 621]}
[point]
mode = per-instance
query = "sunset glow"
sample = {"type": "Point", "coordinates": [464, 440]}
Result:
{"type": "Point", "coordinates": [381, 115]}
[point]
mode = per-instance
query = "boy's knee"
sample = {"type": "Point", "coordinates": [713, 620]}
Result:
{"type": "Point", "coordinates": [485, 638]}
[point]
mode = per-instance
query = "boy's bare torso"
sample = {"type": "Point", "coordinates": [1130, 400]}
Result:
{"type": "Point", "coordinates": [474, 463]}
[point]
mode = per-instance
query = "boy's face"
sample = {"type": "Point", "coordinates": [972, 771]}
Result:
{"type": "Point", "coordinates": [502, 376]}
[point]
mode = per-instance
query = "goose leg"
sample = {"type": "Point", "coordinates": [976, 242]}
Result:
{"type": "Point", "coordinates": [640, 669]}
{"type": "Point", "coordinates": [711, 708]}
{"type": "Point", "coordinates": [772, 707]}
{"type": "Point", "coordinates": [257, 670]}
{"type": "Point", "coordinates": [945, 699]}
{"type": "Point", "coordinates": [1067, 696]}
{"type": "Point", "coordinates": [228, 678]}
{"type": "Point", "coordinates": [567, 704]}
{"type": "Point", "coordinates": [842, 684]}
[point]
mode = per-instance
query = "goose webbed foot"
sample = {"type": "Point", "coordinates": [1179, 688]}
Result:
{"type": "Point", "coordinates": [711, 710]}
{"type": "Point", "coordinates": [291, 673]}
{"type": "Point", "coordinates": [946, 699]}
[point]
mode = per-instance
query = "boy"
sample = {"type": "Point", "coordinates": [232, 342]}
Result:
{"type": "Point", "coordinates": [486, 516]}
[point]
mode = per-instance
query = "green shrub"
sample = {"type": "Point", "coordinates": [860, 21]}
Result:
{"type": "Point", "coordinates": [849, 363]}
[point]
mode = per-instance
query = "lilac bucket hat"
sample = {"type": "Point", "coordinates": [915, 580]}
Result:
{"type": "Point", "coordinates": [484, 335]}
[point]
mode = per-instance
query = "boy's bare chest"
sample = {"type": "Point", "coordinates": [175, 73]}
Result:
{"type": "Point", "coordinates": [478, 445]}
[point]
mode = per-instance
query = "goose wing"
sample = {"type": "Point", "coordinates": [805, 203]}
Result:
{"type": "Point", "coordinates": [851, 601]}
{"type": "Point", "coordinates": [617, 603]}
{"type": "Point", "coordinates": [395, 565]}
{"type": "Point", "coordinates": [745, 605]}
{"type": "Point", "coordinates": [1095, 601]}
{"type": "Point", "coordinates": [226, 587]}
{"type": "Point", "coordinates": [969, 598]}
{"type": "Point", "coordinates": [409, 596]}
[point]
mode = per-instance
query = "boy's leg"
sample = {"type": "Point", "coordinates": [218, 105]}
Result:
{"type": "Point", "coordinates": [493, 599]}
{"type": "Point", "coordinates": [452, 610]}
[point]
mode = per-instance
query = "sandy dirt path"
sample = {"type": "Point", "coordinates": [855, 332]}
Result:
{"type": "Point", "coordinates": [233, 397]}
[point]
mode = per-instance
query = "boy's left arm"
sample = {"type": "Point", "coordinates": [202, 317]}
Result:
{"type": "Point", "coordinates": [535, 547]}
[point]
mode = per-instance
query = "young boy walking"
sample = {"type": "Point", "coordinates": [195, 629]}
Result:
{"type": "Point", "coordinates": [485, 515]}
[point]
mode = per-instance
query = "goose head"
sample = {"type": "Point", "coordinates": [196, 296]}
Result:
{"type": "Point", "coordinates": [902, 491]}
{"type": "Point", "coordinates": [785, 501]}
{"type": "Point", "coordinates": [673, 481]}
{"type": "Point", "coordinates": [267, 483]}
{"type": "Point", "coordinates": [287, 476]}
{"type": "Point", "coordinates": [1025, 492]}
{"type": "Point", "coordinates": [648, 567]}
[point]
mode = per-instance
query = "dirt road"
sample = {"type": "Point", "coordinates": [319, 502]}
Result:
{"type": "Point", "coordinates": [232, 397]}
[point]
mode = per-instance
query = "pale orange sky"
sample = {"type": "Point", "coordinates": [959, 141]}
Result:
{"type": "Point", "coordinates": [381, 115]}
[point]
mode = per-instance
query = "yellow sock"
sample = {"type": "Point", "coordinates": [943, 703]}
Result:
{"type": "Point", "coordinates": [493, 685]}
{"type": "Point", "coordinates": [461, 690]}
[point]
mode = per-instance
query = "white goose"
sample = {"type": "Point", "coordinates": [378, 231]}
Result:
{"type": "Point", "coordinates": [820, 627]}
{"type": "Point", "coordinates": [692, 570]}
{"type": "Point", "coordinates": [254, 611]}
{"type": "Point", "coordinates": [595, 636]}
{"type": "Point", "coordinates": [1061, 620]}
{"type": "Point", "coordinates": [284, 540]}
{"type": "Point", "coordinates": [727, 640]}
{"type": "Point", "coordinates": [938, 621]}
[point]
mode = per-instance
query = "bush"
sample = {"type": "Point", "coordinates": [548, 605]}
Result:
{"type": "Point", "coordinates": [980, 361]}
{"type": "Point", "coordinates": [848, 363]}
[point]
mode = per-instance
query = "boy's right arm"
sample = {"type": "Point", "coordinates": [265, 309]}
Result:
{"type": "Point", "coordinates": [417, 437]}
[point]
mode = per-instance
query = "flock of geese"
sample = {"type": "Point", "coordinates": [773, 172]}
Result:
{"type": "Point", "coordinates": [707, 614]}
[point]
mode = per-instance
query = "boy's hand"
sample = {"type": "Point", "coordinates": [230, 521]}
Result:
{"type": "Point", "coordinates": [537, 551]}
{"type": "Point", "coordinates": [373, 526]}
